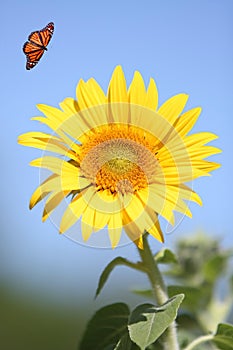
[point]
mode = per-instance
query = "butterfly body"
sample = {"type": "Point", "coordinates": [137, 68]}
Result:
{"type": "Point", "coordinates": [37, 44]}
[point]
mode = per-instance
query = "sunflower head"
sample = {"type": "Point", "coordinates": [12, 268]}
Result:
{"type": "Point", "coordinates": [120, 160]}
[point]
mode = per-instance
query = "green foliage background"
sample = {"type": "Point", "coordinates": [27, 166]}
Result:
{"type": "Point", "coordinates": [32, 323]}
{"type": "Point", "coordinates": [200, 268]}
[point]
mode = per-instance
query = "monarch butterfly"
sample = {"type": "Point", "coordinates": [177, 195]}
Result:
{"type": "Point", "coordinates": [36, 45]}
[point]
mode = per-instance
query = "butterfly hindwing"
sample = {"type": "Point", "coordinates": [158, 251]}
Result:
{"type": "Point", "coordinates": [36, 45]}
{"type": "Point", "coordinates": [33, 58]}
{"type": "Point", "coordinates": [30, 47]}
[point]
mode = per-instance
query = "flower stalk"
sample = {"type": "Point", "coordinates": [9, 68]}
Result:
{"type": "Point", "coordinates": [159, 290]}
{"type": "Point", "coordinates": [198, 341]}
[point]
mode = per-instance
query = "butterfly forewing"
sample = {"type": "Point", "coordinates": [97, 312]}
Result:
{"type": "Point", "coordinates": [46, 34]}
{"type": "Point", "coordinates": [35, 38]}
{"type": "Point", "coordinates": [36, 45]}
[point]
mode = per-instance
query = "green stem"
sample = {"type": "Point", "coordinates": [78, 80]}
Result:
{"type": "Point", "coordinates": [198, 341]}
{"type": "Point", "coordinates": [135, 266]}
{"type": "Point", "coordinates": [159, 290]}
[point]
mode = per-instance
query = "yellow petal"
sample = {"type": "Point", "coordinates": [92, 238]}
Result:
{"type": "Point", "coordinates": [38, 135]}
{"type": "Point", "coordinates": [69, 106]}
{"type": "Point", "coordinates": [73, 212]}
{"type": "Point", "coordinates": [89, 94]}
{"type": "Point", "coordinates": [187, 120]}
{"type": "Point", "coordinates": [181, 173]}
{"type": "Point", "coordinates": [137, 99]}
{"type": "Point", "coordinates": [50, 184]}
{"type": "Point", "coordinates": [147, 222]}
{"type": "Point", "coordinates": [86, 230]}
{"type": "Point", "coordinates": [92, 100]}
{"type": "Point", "coordinates": [95, 116]}
{"type": "Point", "coordinates": [52, 202]}
{"type": "Point", "coordinates": [174, 197]}
{"type": "Point", "coordinates": [177, 202]}
{"type": "Point", "coordinates": [55, 125]}
{"type": "Point", "coordinates": [156, 200]}
{"type": "Point", "coordinates": [203, 152]}
{"type": "Point", "coordinates": [155, 229]}
{"type": "Point", "coordinates": [117, 98]}
{"type": "Point", "coordinates": [139, 242]}
{"type": "Point", "coordinates": [69, 174]}
{"type": "Point", "coordinates": [205, 165]}
{"type": "Point", "coordinates": [96, 94]}
{"type": "Point", "coordinates": [172, 108]}
{"type": "Point", "coordinates": [117, 90]}
{"type": "Point", "coordinates": [56, 165]}
{"type": "Point", "coordinates": [45, 142]}
{"type": "Point", "coordinates": [51, 113]}
{"type": "Point", "coordinates": [188, 194]}
{"type": "Point", "coordinates": [137, 91]}
{"type": "Point", "coordinates": [101, 220]}
{"type": "Point", "coordinates": [156, 232]}
{"type": "Point", "coordinates": [132, 230]}
{"type": "Point", "coordinates": [133, 206]}
{"type": "Point", "coordinates": [151, 100]}
{"type": "Point", "coordinates": [105, 202]}
{"type": "Point", "coordinates": [73, 124]}
{"type": "Point", "coordinates": [114, 229]}
{"type": "Point", "coordinates": [199, 139]}
{"type": "Point", "coordinates": [87, 224]}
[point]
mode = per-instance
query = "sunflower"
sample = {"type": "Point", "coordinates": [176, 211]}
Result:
{"type": "Point", "coordinates": [120, 160]}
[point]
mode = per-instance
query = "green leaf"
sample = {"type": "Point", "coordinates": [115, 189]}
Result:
{"type": "Point", "coordinates": [108, 269]}
{"type": "Point", "coordinates": [125, 343]}
{"type": "Point", "coordinates": [147, 322]}
{"type": "Point", "coordinates": [224, 336]}
{"type": "Point", "coordinates": [193, 295]}
{"type": "Point", "coordinates": [166, 256]}
{"type": "Point", "coordinates": [106, 327]}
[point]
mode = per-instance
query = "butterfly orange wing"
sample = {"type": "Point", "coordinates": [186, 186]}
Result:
{"type": "Point", "coordinates": [46, 34]}
{"type": "Point", "coordinates": [36, 45]}
{"type": "Point", "coordinates": [33, 54]}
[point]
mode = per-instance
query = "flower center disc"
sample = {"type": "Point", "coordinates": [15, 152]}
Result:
{"type": "Point", "coordinates": [120, 165]}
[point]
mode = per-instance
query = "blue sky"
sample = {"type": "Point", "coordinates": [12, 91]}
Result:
{"type": "Point", "coordinates": [186, 46]}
